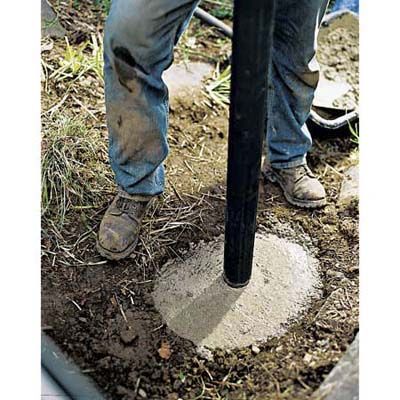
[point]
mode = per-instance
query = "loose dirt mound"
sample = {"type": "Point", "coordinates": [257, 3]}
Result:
{"type": "Point", "coordinates": [338, 55]}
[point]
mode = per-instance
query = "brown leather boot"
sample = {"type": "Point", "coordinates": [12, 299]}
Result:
{"type": "Point", "coordinates": [300, 187]}
{"type": "Point", "coordinates": [119, 229]}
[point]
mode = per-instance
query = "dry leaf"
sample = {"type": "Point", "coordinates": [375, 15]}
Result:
{"type": "Point", "coordinates": [165, 350]}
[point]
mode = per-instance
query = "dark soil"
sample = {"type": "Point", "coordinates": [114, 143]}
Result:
{"type": "Point", "coordinates": [102, 314]}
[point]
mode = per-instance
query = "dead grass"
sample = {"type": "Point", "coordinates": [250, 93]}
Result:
{"type": "Point", "coordinates": [77, 181]}
{"type": "Point", "coordinates": [75, 174]}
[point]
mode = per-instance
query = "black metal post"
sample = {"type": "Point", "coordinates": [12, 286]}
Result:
{"type": "Point", "coordinates": [251, 58]}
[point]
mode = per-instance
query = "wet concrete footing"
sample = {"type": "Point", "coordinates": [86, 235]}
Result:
{"type": "Point", "coordinates": [198, 305]}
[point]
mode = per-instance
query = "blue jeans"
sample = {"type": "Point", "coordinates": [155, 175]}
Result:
{"type": "Point", "coordinates": [140, 36]}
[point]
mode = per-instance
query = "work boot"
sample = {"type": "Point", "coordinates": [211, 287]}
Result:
{"type": "Point", "coordinates": [119, 229]}
{"type": "Point", "coordinates": [300, 187]}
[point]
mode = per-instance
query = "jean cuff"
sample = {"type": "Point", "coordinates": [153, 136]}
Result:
{"type": "Point", "coordinates": [137, 197]}
{"type": "Point", "coordinates": [295, 163]}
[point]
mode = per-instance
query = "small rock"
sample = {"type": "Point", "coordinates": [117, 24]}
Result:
{"type": "Point", "coordinates": [255, 349]}
{"type": "Point", "coordinates": [335, 274]}
{"type": "Point", "coordinates": [142, 394]}
{"type": "Point", "coordinates": [46, 46]}
{"type": "Point", "coordinates": [50, 24]}
{"type": "Point", "coordinates": [349, 189]}
{"type": "Point", "coordinates": [128, 335]}
{"type": "Point", "coordinates": [165, 351]}
{"type": "Point", "coordinates": [340, 308]}
{"type": "Point", "coordinates": [127, 393]}
{"type": "Point", "coordinates": [177, 384]}
{"type": "Point", "coordinates": [205, 353]}
{"type": "Point", "coordinates": [355, 268]}
{"type": "Point", "coordinates": [307, 358]}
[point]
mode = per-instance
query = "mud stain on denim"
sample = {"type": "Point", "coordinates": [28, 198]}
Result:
{"type": "Point", "coordinates": [126, 68]}
{"type": "Point", "coordinates": [138, 140]}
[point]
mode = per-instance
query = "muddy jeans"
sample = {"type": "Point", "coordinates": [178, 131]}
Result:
{"type": "Point", "coordinates": [140, 36]}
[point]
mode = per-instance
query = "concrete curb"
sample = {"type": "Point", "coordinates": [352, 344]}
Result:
{"type": "Point", "coordinates": [343, 381]}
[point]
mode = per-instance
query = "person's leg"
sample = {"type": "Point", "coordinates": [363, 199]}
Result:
{"type": "Point", "coordinates": [294, 78]}
{"type": "Point", "coordinates": [139, 39]}
{"type": "Point", "coordinates": [138, 46]}
{"type": "Point", "coordinates": [295, 74]}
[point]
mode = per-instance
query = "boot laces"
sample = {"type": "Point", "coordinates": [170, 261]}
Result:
{"type": "Point", "coordinates": [128, 206]}
{"type": "Point", "coordinates": [303, 171]}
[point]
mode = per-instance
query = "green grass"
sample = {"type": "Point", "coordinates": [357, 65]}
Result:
{"type": "Point", "coordinates": [355, 133]}
{"type": "Point", "coordinates": [218, 88]}
{"type": "Point", "coordinates": [104, 5]}
{"type": "Point", "coordinates": [74, 169]}
{"type": "Point", "coordinates": [87, 58]}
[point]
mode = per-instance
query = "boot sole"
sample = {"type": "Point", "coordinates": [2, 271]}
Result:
{"type": "Point", "coordinates": [309, 204]}
{"type": "Point", "coordinates": [116, 256]}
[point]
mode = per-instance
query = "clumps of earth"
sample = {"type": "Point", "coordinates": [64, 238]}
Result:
{"type": "Point", "coordinates": [338, 55]}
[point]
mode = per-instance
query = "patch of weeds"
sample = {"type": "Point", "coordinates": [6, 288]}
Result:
{"type": "Point", "coordinates": [182, 377]}
{"type": "Point", "coordinates": [78, 61]}
{"type": "Point", "coordinates": [74, 170]}
{"type": "Point", "coordinates": [355, 133]}
{"type": "Point", "coordinates": [218, 88]}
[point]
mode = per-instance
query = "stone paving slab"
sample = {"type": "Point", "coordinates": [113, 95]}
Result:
{"type": "Point", "coordinates": [186, 79]}
{"type": "Point", "coordinates": [50, 24]}
{"type": "Point", "coordinates": [350, 185]}
{"type": "Point", "coordinates": [343, 381]}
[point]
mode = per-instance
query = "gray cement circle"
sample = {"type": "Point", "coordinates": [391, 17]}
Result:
{"type": "Point", "coordinates": [198, 305]}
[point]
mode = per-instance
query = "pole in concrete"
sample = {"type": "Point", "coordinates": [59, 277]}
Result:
{"type": "Point", "coordinates": [251, 59]}
{"type": "Point", "coordinates": [190, 293]}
